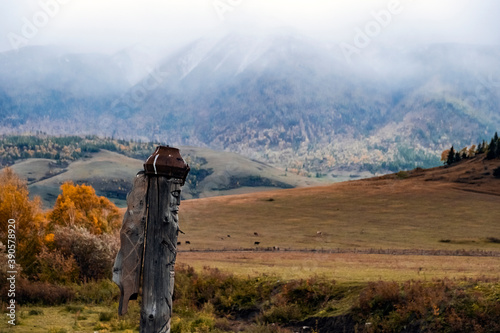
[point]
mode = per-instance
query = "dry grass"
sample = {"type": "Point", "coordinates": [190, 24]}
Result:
{"type": "Point", "coordinates": [344, 267]}
{"type": "Point", "coordinates": [361, 214]}
{"type": "Point", "coordinates": [381, 213]}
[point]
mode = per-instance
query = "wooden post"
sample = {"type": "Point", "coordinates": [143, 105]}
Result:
{"type": "Point", "coordinates": [165, 173]}
{"type": "Point", "coordinates": [160, 254]}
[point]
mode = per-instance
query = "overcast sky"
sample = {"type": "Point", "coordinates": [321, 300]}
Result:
{"type": "Point", "coordinates": [109, 25]}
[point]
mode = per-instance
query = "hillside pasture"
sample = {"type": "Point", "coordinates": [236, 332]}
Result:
{"type": "Point", "coordinates": [385, 214]}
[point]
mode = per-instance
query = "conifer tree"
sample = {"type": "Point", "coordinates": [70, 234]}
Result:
{"type": "Point", "coordinates": [451, 156]}
{"type": "Point", "coordinates": [497, 150]}
{"type": "Point", "coordinates": [479, 148]}
{"type": "Point", "coordinates": [492, 148]}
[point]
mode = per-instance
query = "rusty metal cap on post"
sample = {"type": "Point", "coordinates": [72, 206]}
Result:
{"type": "Point", "coordinates": [167, 161]}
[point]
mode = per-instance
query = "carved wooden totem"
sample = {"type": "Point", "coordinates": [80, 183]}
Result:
{"type": "Point", "coordinates": [151, 219]}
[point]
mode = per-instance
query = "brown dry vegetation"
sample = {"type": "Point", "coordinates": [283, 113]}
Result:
{"type": "Point", "coordinates": [447, 219]}
{"type": "Point", "coordinates": [343, 267]}
{"type": "Point", "coordinates": [434, 209]}
{"type": "Point", "coordinates": [424, 221]}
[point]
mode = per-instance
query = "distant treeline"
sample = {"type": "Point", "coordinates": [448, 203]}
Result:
{"type": "Point", "coordinates": [66, 148]}
{"type": "Point", "coordinates": [492, 151]}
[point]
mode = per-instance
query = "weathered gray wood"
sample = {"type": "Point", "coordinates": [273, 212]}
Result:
{"type": "Point", "coordinates": [160, 253]}
{"type": "Point", "coordinates": [128, 262]}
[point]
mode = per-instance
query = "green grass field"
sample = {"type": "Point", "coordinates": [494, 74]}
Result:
{"type": "Point", "coordinates": [72, 318]}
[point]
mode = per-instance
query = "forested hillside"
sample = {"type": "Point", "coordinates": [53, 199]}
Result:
{"type": "Point", "coordinates": [109, 165]}
{"type": "Point", "coordinates": [281, 98]}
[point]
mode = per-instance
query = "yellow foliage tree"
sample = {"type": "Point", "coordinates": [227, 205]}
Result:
{"type": "Point", "coordinates": [78, 205]}
{"type": "Point", "coordinates": [444, 155]}
{"type": "Point", "coordinates": [472, 151]}
{"type": "Point", "coordinates": [15, 204]}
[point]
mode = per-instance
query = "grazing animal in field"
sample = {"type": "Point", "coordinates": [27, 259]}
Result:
{"type": "Point", "coordinates": [256, 243]}
{"type": "Point", "coordinates": [188, 242]}
{"type": "Point", "coordinates": [228, 236]}
{"type": "Point", "coordinates": [255, 233]}
{"type": "Point", "coordinates": [319, 233]}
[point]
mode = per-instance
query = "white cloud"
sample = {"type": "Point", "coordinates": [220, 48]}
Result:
{"type": "Point", "coordinates": [106, 25]}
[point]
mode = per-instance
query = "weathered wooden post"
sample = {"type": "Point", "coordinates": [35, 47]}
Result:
{"type": "Point", "coordinates": [155, 217]}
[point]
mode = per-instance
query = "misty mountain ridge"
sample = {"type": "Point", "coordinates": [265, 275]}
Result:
{"type": "Point", "coordinates": [283, 98]}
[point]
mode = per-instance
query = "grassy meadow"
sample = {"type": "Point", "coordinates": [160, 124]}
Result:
{"type": "Point", "coordinates": [344, 267]}
{"type": "Point", "coordinates": [413, 252]}
{"type": "Point", "coordinates": [394, 213]}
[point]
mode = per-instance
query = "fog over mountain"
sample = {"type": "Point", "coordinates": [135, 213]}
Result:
{"type": "Point", "coordinates": [280, 96]}
{"type": "Point", "coordinates": [322, 87]}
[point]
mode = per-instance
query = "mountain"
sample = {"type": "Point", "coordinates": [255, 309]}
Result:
{"type": "Point", "coordinates": [280, 97]}
{"type": "Point", "coordinates": [49, 84]}
{"type": "Point", "coordinates": [111, 174]}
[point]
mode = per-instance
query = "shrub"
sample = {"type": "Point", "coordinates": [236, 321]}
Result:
{"type": "Point", "coordinates": [28, 292]}
{"type": "Point", "coordinates": [429, 307]}
{"type": "Point", "coordinates": [283, 314]}
{"type": "Point", "coordinates": [57, 330]}
{"type": "Point", "coordinates": [263, 298]}
{"type": "Point", "coordinates": [102, 327]}
{"type": "Point", "coordinates": [496, 172]}
{"type": "Point", "coordinates": [34, 312]}
{"type": "Point", "coordinates": [71, 308]}
{"type": "Point", "coordinates": [203, 321]}
{"type": "Point", "coordinates": [57, 268]}
{"type": "Point", "coordinates": [94, 254]}
{"type": "Point", "coordinates": [106, 316]}
{"type": "Point", "coordinates": [100, 292]}
{"type": "Point", "coordinates": [402, 175]}
{"type": "Point", "coordinates": [311, 294]}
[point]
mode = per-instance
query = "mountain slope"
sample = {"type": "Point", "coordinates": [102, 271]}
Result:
{"type": "Point", "coordinates": [50, 84]}
{"type": "Point", "coordinates": [111, 174]}
{"type": "Point", "coordinates": [452, 208]}
{"type": "Point", "coordinates": [279, 97]}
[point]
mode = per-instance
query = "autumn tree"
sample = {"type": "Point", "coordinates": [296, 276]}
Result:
{"type": "Point", "coordinates": [78, 205]}
{"type": "Point", "coordinates": [464, 153]}
{"type": "Point", "coordinates": [29, 219]}
{"type": "Point", "coordinates": [472, 151]}
{"type": "Point", "coordinates": [444, 155]}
